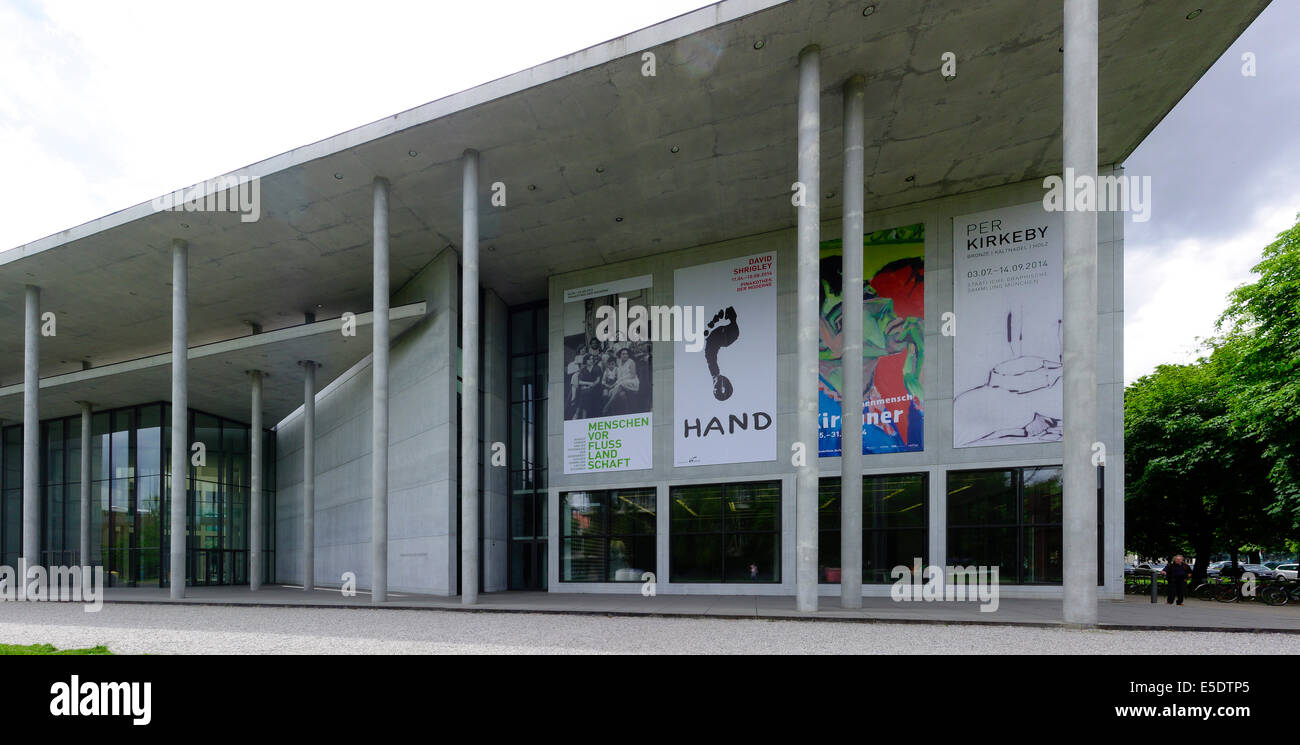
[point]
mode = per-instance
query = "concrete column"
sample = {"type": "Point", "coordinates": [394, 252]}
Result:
{"type": "Point", "coordinates": [31, 431]}
{"type": "Point", "coordinates": [83, 545]}
{"type": "Point", "coordinates": [851, 311]}
{"type": "Point", "coordinates": [308, 474]}
{"type": "Point", "coordinates": [809, 236]}
{"type": "Point", "coordinates": [255, 516]}
{"type": "Point", "coordinates": [180, 415]}
{"type": "Point", "coordinates": [469, 467]}
{"type": "Point", "coordinates": [379, 402]}
{"type": "Point", "coordinates": [1080, 323]}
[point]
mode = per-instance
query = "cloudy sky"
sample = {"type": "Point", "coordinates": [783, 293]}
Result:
{"type": "Point", "coordinates": [1225, 180]}
{"type": "Point", "coordinates": [105, 105]}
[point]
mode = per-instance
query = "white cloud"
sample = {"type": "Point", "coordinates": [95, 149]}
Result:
{"type": "Point", "coordinates": [1174, 294]}
{"type": "Point", "coordinates": [105, 105]}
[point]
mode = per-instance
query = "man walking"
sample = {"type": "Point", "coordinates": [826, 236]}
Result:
{"type": "Point", "coordinates": [1177, 573]}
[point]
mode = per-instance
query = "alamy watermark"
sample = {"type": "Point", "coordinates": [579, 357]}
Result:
{"type": "Point", "coordinates": [222, 194]}
{"type": "Point", "coordinates": [1111, 193]}
{"type": "Point", "coordinates": [669, 323]}
{"type": "Point", "coordinates": [935, 583]}
{"type": "Point", "coordinates": [58, 584]}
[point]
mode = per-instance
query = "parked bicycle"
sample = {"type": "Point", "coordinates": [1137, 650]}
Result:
{"type": "Point", "coordinates": [1281, 593]}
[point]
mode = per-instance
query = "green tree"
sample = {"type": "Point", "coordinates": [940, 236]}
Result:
{"type": "Point", "coordinates": [1258, 351]}
{"type": "Point", "coordinates": [1191, 481]}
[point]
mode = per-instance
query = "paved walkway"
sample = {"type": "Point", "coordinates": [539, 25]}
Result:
{"type": "Point", "coordinates": [254, 629]}
{"type": "Point", "coordinates": [1131, 612]}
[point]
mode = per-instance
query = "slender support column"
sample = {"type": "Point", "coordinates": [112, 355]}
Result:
{"type": "Point", "coordinates": [851, 312]}
{"type": "Point", "coordinates": [469, 465]}
{"type": "Point", "coordinates": [308, 474]}
{"type": "Point", "coordinates": [31, 432]}
{"type": "Point", "coordinates": [255, 496]}
{"type": "Point", "coordinates": [83, 544]}
{"type": "Point", "coordinates": [379, 402]}
{"type": "Point", "coordinates": [180, 415]}
{"type": "Point", "coordinates": [1080, 323]}
{"type": "Point", "coordinates": [809, 235]}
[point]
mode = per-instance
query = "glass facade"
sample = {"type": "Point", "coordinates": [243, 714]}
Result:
{"type": "Point", "coordinates": [130, 492]}
{"type": "Point", "coordinates": [1009, 518]}
{"type": "Point", "coordinates": [895, 525]}
{"type": "Point", "coordinates": [527, 448]}
{"type": "Point", "coordinates": [607, 536]}
{"type": "Point", "coordinates": [725, 532]}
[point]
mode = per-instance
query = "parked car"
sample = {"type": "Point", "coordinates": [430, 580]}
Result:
{"type": "Point", "coordinates": [1259, 570]}
{"type": "Point", "coordinates": [1145, 570]}
{"type": "Point", "coordinates": [1213, 569]}
{"type": "Point", "coordinates": [1129, 570]}
{"type": "Point", "coordinates": [1287, 571]}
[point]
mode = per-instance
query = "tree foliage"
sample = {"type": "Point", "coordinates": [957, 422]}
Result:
{"type": "Point", "coordinates": [1193, 485]}
{"type": "Point", "coordinates": [1212, 449]}
{"type": "Point", "coordinates": [1259, 351]}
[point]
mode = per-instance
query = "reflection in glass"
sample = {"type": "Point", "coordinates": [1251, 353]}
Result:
{"type": "Point", "coordinates": [725, 532]}
{"type": "Point", "coordinates": [129, 492]}
{"type": "Point", "coordinates": [895, 526]}
{"type": "Point", "coordinates": [607, 536]}
{"type": "Point", "coordinates": [1009, 518]}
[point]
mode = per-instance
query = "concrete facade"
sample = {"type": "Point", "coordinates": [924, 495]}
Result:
{"type": "Point", "coordinates": [938, 455]}
{"type": "Point", "coordinates": [422, 475]}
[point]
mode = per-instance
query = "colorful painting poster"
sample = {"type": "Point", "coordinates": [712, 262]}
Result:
{"type": "Point", "coordinates": [893, 342]}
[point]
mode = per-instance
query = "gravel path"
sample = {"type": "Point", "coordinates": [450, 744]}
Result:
{"type": "Point", "coordinates": [159, 629]}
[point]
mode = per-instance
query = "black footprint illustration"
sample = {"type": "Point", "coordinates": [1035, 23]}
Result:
{"type": "Point", "coordinates": [721, 332]}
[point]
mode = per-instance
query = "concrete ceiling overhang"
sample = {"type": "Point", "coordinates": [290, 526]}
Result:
{"type": "Point", "coordinates": [218, 383]}
{"type": "Point", "coordinates": [586, 139]}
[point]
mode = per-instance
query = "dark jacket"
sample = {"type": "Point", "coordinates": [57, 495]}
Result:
{"type": "Point", "coordinates": [1178, 571]}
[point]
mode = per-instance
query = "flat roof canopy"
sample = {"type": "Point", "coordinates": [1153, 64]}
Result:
{"type": "Point", "coordinates": [586, 139]}
{"type": "Point", "coordinates": [218, 383]}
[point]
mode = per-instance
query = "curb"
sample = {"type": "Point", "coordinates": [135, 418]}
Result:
{"type": "Point", "coordinates": [717, 616]}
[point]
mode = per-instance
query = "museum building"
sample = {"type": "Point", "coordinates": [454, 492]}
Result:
{"type": "Point", "coordinates": [558, 331]}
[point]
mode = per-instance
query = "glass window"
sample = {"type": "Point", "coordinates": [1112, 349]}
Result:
{"type": "Point", "coordinates": [1009, 518]}
{"type": "Point", "coordinates": [607, 536]}
{"type": "Point", "coordinates": [527, 392]}
{"type": "Point", "coordinates": [725, 532]}
{"type": "Point", "coordinates": [129, 512]}
{"type": "Point", "coordinates": [895, 525]}
{"type": "Point", "coordinates": [207, 430]}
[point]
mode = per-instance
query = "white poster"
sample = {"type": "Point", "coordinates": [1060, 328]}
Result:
{"type": "Point", "coordinates": [1007, 353]}
{"type": "Point", "coordinates": [724, 380]}
{"type": "Point", "coordinates": [608, 382]}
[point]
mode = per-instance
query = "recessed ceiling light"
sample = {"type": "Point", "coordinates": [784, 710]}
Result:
{"type": "Point", "coordinates": [320, 305]}
{"type": "Point", "coordinates": [338, 176]}
{"type": "Point", "coordinates": [910, 179]}
{"type": "Point", "coordinates": [675, 149]}
{"type": "Point", "coordinates": [1194, 14]}
{"type": "Point", "coordinates": [618, 219]}
{"type": "Point", "coordinates": [759, 44]}
{"type": "Point", "coordinates": [868, 10]}
{"type": "Point", "coordinates": [412, 153]}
